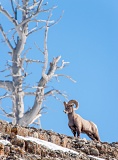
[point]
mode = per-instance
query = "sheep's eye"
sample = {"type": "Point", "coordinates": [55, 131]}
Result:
{"type": "Point", "coordinates": [70, 106]}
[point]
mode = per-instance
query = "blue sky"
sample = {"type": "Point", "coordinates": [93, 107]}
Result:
{"type": "Point", "coordinates": [87, 37]}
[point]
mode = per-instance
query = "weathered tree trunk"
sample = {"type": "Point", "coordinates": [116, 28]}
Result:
{"type": "Point", "coordinates": [18, 95]}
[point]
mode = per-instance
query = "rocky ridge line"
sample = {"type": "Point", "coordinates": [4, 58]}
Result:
{"type": "Point", "coordinates": [19, 149]}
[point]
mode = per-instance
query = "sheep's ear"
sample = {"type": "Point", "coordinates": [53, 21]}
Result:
{"type": "Point", "coordinates": [64, 103]}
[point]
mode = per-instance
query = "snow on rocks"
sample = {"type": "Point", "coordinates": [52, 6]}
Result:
{"type": "Point", "coordinates": [95, 158]}
{"type": "Point", "coordinates": [49, 145]}
{"type": "Point", "coordinates": [5, 142]}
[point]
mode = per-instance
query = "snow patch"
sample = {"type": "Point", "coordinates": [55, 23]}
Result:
{"type": "Point", "coordinates": [49, 145]}
{"type": "Point", "coordinates": [96, 157]}
{"type": "Point", "coordinates": [5, 142]}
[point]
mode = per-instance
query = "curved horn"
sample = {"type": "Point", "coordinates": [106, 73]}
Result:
{"type": "Point", "coordinates": [74, 102]}
{"type": "Point", "coordinates": [64, 104]}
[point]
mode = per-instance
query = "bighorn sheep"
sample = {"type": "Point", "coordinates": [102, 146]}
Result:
{"type": "Point", "coordinates": [79, 125]}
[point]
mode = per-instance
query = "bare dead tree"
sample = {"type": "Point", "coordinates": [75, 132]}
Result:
{"type": "Point", "coordinates": [29, 12]}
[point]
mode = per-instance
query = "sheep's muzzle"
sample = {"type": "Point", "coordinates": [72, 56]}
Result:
{"type": "Point", "coordinates": [65, 111]}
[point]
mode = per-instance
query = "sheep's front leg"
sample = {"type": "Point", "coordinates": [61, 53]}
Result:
{"type": "Point", "coordinates": [73, 130]}
{"type": "Point", "coordinates": [78, 132]}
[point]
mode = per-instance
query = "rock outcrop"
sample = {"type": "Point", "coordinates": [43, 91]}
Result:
{"type": "Point", "coordinates": [14, 148]}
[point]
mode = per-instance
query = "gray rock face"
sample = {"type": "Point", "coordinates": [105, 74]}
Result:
{"type": "Point", "coordinates": [21, 149]}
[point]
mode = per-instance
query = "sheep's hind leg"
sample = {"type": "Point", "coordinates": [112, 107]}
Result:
{"type": "Point", "coordinates": [96, 136]}
{"type": "Point", "coordinates": [91, 136]}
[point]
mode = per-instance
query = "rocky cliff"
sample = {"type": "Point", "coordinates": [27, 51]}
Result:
{"type": "Point", "coordinates": [18, 143]}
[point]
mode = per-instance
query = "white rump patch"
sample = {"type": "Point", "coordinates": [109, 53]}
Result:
{"type": "Point", "coordinates": [95, 125]}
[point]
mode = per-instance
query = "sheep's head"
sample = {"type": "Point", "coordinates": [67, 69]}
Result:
{"type": "Point", "coordinates": [69, 106]}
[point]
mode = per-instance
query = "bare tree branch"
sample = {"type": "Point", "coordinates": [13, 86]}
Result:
{"type": "Point", "coordinates": [6, 95]}
{"type": "Point", "coordinates": [38, 48]}
{"type": "Point", "coordinates": [12, 7]}
{"type": "Point", "coordinates": [34, 30]}
{"type": "Point", "coordinates": [10, 115]}
{"type": "Point", "coordinates": [8, 85]}
{"type": "Point", "coordinates": [48, 10]}
{"type": "Point", "coordinates": [63, 64]}
{"type": "Point", "coordinates": [8, 67]}
{"type": "Point", "coordinates": [34, 5]}
{"type": "Point", "coordinates": [24, 54]}
{"type": "Point", "coordinates": [45, 50]}
{"type": "Point", "coordinates": [57, 75]}
{"type": "Point", "coordinates": [32, 60]}
{"type": "Point", "coordinates": [39, 5]}
{"type": "Point", "coordinates": [55, 22]}
{"type": "Point", "coordinates": [8, 15]}
{"type": "Point", "coordinates": [29, 19]}
{"type": "Point", "coordinates": [53, 91]}
{"type": "Point", "coordinates": [6, 39]}
{"type": "Point", "coordinates": [30, 93]}
{"type": "Point", "coordinates": [36, 117]}
{"type": "Point", "coordinates": [53, 67]}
